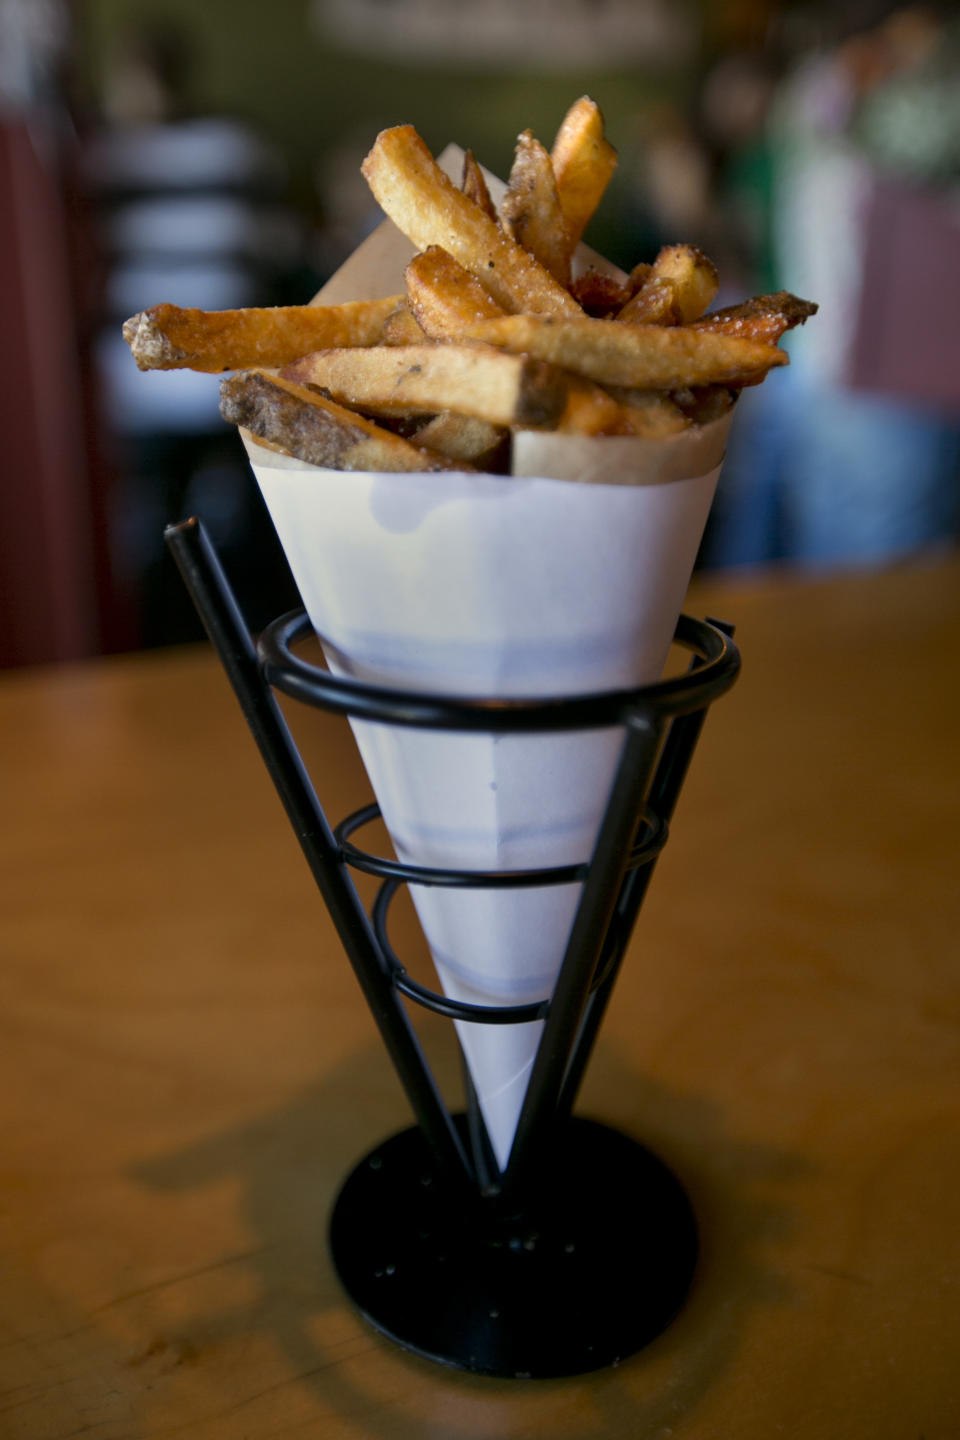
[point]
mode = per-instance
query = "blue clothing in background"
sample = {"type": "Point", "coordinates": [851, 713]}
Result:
{"type": "Point", "coordinates": [832, 477]}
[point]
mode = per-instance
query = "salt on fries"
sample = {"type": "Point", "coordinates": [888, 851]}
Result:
{"type": "Point", "coordinates": [494, 332]}
{"type": "Point", "coordinates": [444, 298]}
{"type": "Point", "coordinates": [765, 317]}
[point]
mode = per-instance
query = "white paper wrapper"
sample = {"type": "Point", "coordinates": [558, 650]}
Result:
{"type": "Point", "coordinates": [481, 585]}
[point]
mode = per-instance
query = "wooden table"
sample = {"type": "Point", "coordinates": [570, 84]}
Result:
{"type": "Point", "coordinates": [188, 1069]}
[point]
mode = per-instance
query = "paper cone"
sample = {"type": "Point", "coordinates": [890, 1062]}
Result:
{"type": "Point", "coordinates": [494, 586]}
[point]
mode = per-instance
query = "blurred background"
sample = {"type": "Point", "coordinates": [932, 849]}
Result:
{"type": "Point", "coordinates": [209, 155]}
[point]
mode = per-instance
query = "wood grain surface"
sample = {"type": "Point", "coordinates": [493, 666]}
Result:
{"type": "Point", "coordinates": [188, 1069]}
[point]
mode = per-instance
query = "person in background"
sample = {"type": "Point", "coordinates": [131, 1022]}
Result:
{"type": "Point", "coordinates": [834, 467]}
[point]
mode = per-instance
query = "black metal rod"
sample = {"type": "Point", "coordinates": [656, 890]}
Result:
{"type": "Point", "coordinates": [594, 912]}
{"type": "Point", "coordinates": [484, 1160]}
{"type": "Point", "coordinates": [228, 633]}
{"type": "Point", "coordinates": [681, 741]}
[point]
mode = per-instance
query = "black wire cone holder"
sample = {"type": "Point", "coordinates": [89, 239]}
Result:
{"type": "Point", "coordinates": [584, 1248]}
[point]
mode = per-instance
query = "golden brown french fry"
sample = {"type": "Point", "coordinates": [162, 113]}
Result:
{"type": "Point", "coordinates": [462, 437]}
{"type": "Point", "coordinates": [401, 328]}
{"type": "Point", "coordinates": [474, 185]}
{"type": "Point", "coordinates": [645, 357]}
{"type": "Point", "coordinates": [590, 410]}
{"type": "Point", "coordinates": [167, 337]}
{"type": "Point", "coordinates": [765, 317]}
{"type": "Point", "coordinates": [422, 202]}
{"type": "Point", "coordinates": [594, 410]}
{"type": "Point", "coordinates": [299, 421]}
{"type": "Point", "coordinates": [583, 163]}
{"type": "Point", "coordinates": [767, 326]}
{"type": "Point", "coordinates": [444, 297]}
{"type": "Point", "coordinates": [652, 413]}
{"type": "Point", "coordinates": [655, 303]}
{"type": "Point", "coordinates": [638, 276]}
{"type": "Point", "coordinates": [530, 210]}
{"type": "Point", "coordinates": [693, 274]}
{"type": "Point", "coordinates": [492, 385]}
{"type": "Point", "coordinates": [704, 404]}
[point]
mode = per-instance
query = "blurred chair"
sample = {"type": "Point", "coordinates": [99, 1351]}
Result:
{"type": "Point", "coordinates": [48, 554]}
{"type": "Point", "coordinates": [189, 211]}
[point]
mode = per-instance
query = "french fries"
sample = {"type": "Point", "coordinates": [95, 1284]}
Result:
{"type": "Point", "coordinates": [531, 212]}
{"type": "Point", "coordinates": [704, 404]}
{"type": "Point", "coordinates": [400, 327]}
{"type": "Point", "coordinates": [300, 421]}
{"type": "Point", "coordinates": [766, 317]}
{"type": "Point", "coordinates": [443, 297]}
{"type": "Point", "coordinates": [657, 302]}
{"type": "Point", "coordinates": [475, 187]}
{"type": "Point", "coordinates": [644, 357]}
{"type": "Point", "coordinates": [488, 384]}
{"type": "Point", "coordinates": [422, 202]}
{"type": "Point", "coordinates": [680, 286]}
{"type": "Point", "coordinates": [583, 163]}
{"type": "Point", "coordinates": [598, 410]}
{"type": "Point", "coordinates": [461, 437]}
{"type": "Point", "coordinates": [169, 338]}
{"type": "Point", "coordinates": [657, 416]}
{"type": "Point", "coordinates": [497, 330]}
{"type": "Point", "coordinates": [694, 277]}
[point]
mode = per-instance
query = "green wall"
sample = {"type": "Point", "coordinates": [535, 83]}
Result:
{"type": "Point", "coordinates": [261, 59]}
